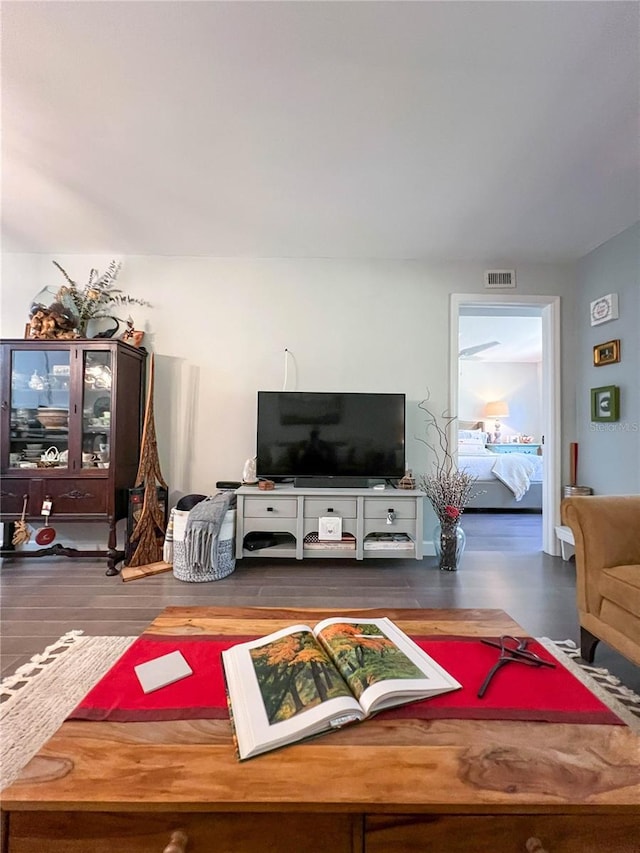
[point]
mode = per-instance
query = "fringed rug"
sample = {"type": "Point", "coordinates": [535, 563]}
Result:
{"type": "Point", "coordinates": [38, 698]}
{"type": "Point", "coordinates": [599, 680]}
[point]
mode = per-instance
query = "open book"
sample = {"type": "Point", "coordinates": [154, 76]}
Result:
{"type": "Point", "coordinates": [302, 681]}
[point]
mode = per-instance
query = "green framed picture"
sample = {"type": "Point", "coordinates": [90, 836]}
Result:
{"type": "Point", "coordinates": [605, 403]}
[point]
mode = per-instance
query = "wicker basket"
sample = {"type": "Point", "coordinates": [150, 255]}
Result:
{"type": "Point", "coordinates": [175, 552]}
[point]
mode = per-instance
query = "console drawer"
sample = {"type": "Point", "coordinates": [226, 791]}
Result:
{"type": "Point", "coordinates": [582, 833]}
{"type": "Point", "coordinates": [270, 507]}
{"type": "Point", "coordinates": [344, 507]}
{"type": "Point", "coordinates": [12, 495]}
{"type": "Point", "coordinates": [277, 524]}
{"type": "Point", "coordinates": [150, 832]}
{"type": "Point", "coordinates": [379, 507]}
{"type": "Point", "coordinates": [70, 497]}
{"type": "Point", "coordinates": [82, 496]}
{"type": "Point", "coordinates": [400, 525]}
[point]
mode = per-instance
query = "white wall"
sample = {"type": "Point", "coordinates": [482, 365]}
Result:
{"type": "Point", "coordinates": [219, 328]}
{"type": "Point", "coordinates": [609, 453]}
{"type": "Point", "coordinates": [518, 384]}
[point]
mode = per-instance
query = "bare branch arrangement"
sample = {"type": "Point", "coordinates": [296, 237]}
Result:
{"type": "Point", "coordinates": [448, 489]}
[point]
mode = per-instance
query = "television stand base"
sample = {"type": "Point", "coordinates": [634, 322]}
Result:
{"type": "Point", "coordinates": [285, 522]}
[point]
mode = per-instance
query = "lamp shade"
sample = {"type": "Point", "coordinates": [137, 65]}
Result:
{"type": "Point", "coordinates": [497, 409]}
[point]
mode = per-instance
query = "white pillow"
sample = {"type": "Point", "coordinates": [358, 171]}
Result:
{"type": "Point", "coordinates": [473, 434]}
{"type": "Point", "coordinates": [473, 450]}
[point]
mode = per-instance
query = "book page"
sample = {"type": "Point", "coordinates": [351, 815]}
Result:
{"type": "Point", "coordinates": [283, 688]}
{"type": "Point", "coordinates": [381, 664]}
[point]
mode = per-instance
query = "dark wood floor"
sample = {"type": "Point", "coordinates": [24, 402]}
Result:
{"type": "Point", "coordinates": [502, 567]}
{"type": "Point", "coordinates": [506, 531]}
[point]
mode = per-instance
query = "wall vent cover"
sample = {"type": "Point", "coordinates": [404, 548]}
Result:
{"type": "Point", "coordinates": [500, 278]}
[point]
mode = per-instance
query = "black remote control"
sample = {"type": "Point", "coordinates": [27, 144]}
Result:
{"type": "Point", "coordinates": [228, 484]}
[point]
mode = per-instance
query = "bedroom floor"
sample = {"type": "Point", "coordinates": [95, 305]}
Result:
{"type": "Point", "coordinates": [519, 532]}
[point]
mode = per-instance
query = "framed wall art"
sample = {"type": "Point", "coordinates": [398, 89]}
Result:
{"type": "Point", "coordinates": [605, 403]}
{"type": "Point", "coordinates": [604, 309]}
{"type": "Point", "coordinates": [607, 353]}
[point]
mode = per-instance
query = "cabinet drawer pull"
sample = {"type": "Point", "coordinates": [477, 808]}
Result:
{"type": "Point", "coordinates": [269, 509]}
{"type": "Point", "coordinates": [534, 845]}
{"type": "Point", "coordinates": [177, 843]}
{"type": "Point", "coordinates": [329, 509]}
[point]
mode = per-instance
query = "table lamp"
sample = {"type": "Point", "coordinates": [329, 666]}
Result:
{"type": "Point", "coordinates": [497, 409]}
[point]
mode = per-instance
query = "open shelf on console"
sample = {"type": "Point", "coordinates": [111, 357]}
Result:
{"type": "Point", "coordinates": [284, 545]}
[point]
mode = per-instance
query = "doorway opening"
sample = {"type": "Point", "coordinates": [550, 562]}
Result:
{"type": "Point", "coordinates": [509, 391]}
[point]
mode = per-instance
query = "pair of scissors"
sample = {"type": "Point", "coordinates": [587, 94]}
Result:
{"type": "Point", "coordinates": [512, 650]}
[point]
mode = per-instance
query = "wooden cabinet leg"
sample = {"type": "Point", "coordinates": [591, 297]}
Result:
{"type": "Point", "coordinates": [7, 536]}
{"type": "Point", "coordinates": [113, 555]}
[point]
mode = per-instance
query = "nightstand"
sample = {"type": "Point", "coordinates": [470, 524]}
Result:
{"type": "Point", "coordinates": [531, 449]}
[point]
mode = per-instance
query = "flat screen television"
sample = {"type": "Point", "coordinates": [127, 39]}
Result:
{"type": "Point", "coordinates": [325, 439]}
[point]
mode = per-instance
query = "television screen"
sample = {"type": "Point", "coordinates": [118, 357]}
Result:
{"type": "Point", "coordinates": [311, 434]}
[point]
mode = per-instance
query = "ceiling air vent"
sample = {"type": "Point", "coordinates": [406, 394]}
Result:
{"type": "Point", "coordinates": [500, 278]}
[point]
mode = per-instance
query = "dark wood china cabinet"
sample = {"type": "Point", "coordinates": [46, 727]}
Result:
{"type": "Point", "coordinates": [70, 434]}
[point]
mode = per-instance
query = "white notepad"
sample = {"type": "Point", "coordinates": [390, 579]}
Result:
{"type": "Point", "coordinates": [161, 671]}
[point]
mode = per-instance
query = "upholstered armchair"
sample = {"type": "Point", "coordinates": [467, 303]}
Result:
{"type": "Point", "coordinates": [606, 529]}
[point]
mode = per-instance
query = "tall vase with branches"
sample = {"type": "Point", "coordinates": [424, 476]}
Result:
{"type": "Point", "coordinates": [447, 488]}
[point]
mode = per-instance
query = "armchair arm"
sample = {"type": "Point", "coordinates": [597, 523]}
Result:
{"type": "Point", "coordinates": [606, 529]}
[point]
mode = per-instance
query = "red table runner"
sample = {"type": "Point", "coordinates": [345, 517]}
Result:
{"type": "Point", "coordinates": [517, 692]}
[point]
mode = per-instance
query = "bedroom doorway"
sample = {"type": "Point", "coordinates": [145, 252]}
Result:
{"type": "Point", "coordinates": [519, 313]}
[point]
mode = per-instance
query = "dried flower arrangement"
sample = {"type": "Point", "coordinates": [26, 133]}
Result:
{"type": "Point", "coordinates": [98, 298]}
{"type": "Point", "coordinates": [73, 306]}
{"type": "Point", "coordinates": [448, 489]}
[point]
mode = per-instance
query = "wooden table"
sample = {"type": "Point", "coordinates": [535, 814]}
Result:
{"type": "Point", "coordinates": [398, 785]}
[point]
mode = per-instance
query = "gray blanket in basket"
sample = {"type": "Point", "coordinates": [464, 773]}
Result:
{"type": "Point", "coordinates": [202, 529]}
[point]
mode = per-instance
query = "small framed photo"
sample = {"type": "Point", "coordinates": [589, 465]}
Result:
{"type": "Point", "coordinates": [605, 403]}
{"type": "Point", "coordinates": [606, 353]}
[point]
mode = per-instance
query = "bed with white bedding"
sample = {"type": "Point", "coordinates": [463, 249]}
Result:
{"type": "Point", "coordinates": [505, 480]}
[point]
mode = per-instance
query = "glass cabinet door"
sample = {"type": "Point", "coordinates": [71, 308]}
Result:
{"type": "Point", "coordinates": [39, 409]}
{"type": "Point", "coordinates": [96, 409]}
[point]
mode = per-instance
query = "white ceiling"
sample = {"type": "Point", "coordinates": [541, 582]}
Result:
{"type": "Point", "coordinates": [493, 131]}
{"type": "Point", "coordinates": [514, 339]}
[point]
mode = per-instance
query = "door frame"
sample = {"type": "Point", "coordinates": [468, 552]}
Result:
{"type": "Point", "coordinates": [551, 414]}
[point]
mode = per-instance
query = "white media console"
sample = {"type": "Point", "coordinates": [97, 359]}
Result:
{"type": "Point", "coordinates": [293, 513]}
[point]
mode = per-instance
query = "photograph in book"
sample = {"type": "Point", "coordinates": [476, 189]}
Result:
{"type": "Point", "coordinates": [302, 681]}
{"type": "Point", "coordinates": [294, 674]}
{"type": "Point", "coordinates": [365, 655]}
